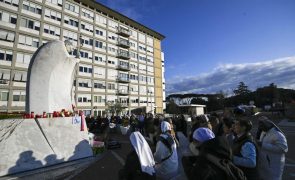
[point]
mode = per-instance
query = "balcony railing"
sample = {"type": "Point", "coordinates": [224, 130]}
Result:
{"type": "Point", "coordinates": [124, 32]}
{"type": "Point", "coordinates": [123, 68]}
{"type": "Point", "coordinates": [123, 55]}
{"type": "Point", "coordinates": [123, 92]}
{"type": "Point", "coordinates": [123, 43]}
{"type": "Point", "coordinates": [123, 79]}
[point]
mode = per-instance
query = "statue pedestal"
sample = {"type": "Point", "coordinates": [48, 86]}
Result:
{"type": "Point", "coordinates": [27, 144]}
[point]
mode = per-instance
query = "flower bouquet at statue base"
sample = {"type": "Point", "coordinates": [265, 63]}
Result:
{"type": "Point", "coordinates": [97, 144]}
{"type": "Point", "coordinates": [98, 147]}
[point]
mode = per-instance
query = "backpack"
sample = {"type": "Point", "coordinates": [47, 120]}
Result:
{"type": "Point", "coordinates": [168, 145]}
{"type": "Point", "coordinates": [232, 171]}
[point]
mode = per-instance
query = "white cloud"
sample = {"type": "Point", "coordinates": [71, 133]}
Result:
{"type": "Point", "coordinates": [129, 8]}
{"type": "Point", "coordinates": [227, 76]}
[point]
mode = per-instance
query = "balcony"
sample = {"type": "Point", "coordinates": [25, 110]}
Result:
{"type": "Point", "coordinates": [123, 92]}
{"type": "Point", "coordinates": [123, 43]}
{"type": "Point", "coordinates": [123, 55]}
{"type": "Point", "coordinates": [123, 80]}
{"type": "Point", "coordinates": [123, 68]}
{"type": "Point", "coordinates": [124, 32]}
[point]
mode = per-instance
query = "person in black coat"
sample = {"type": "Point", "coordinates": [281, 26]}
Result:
{"type": "Point", "coordinates": [132, 169]}
{"type": "Point", "coordinates": [214, 154]}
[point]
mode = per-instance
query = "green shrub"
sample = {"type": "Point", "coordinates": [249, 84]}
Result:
{"type": "Point", "coordinates": [11, 116]}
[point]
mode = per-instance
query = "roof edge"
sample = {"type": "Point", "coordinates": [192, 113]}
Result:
{"type": "Point", "coordinates": [97, 5]}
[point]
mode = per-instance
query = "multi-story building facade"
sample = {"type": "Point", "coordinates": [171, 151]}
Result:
{"type": "Point", "coordinates": [121, 59]}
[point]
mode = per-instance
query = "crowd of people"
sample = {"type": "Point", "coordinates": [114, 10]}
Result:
{"type": "Point", "coordinates": [222, 147]}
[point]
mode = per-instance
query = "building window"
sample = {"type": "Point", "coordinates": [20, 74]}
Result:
{"type": "Point", "coordinates": [124, 76]}
{"type": "Point", "coordinates": [134, 101]}
{"type": "Point", "coordinates": [56, 2]}
{"type": "Point", "coordinates": [85, 54]}
{"type": "Point", "coordinates": [23, 58]}
{"type": "Point", "coordinates": [5, 55]}
{"type": "Point", "coordinates": [88, 14]}
{"type": "Point", "coordinates": [99, 32]}
{"type": "Point", "coordinates": [71, 21]}
{"type": "Point", "coordinates": [111, 49]}
{"type": "Point", "coordinates": [11, 2]}
{"type": "Point", "coordinates": [20, 76]}
{"type": "Point", "coordinates": [113, 38]}
{"type": "Point", "coordinates": [30, 24]}
{"type": "Point", "coordinates": [28, 41]}
{"type": "Point", "coordinates": [8, 17]}
{"type": "Point", "coordinates": [97, 99]}
{"type": "Point", "coordinates": [142, 48]}
{"type": "Point", "coordinates": [51, 14]}
{"type": "Point", "coordinates": [132, 44]}
{"type": "Point", "coordinates": [4, 96]}
{"type": "Point", "coordinates": [133, 77]}
{"type": "Point", "coordinates": [111, 86]}
{"type": "Point", "coordinates": [84, 83]}
{"type": "Point", "coordinates": [111, 62]}
{"type": "Point", "coordinates": [86, 27]}
{"type": "Point", "coordinates": [99, 85]}
{"type": "Point", "coordinates": [87, 41]}
{"type": "Point", "coordinates": [49, 29]}
{"type": "Point", "coordinates": [142, 58]}
{"type": "Point", "coordinates": [29, 6]}
{"type": "Point", "coordinates": [4, 75]}
{"type": "Point", "coordinates": [99, 59]}
{"type": "Point", "coordinates": [72, 7]}
{"type": "Point", "coordinates": [7, 36]}
{"type": "Point", "coordinates": [19, 96]}
{"type": "Point", "coordinates": [99, 44]}
{"type": "Point", "coordinates": [84, 99]}
{"type": "Point", "coordinates": [70, 35]}
{"type": "Point", "coordinates": [100, 19]}
{"type": "Point", "coordinates": [133, 55]}
{"type": "Point", "coordinates": [85, 69]}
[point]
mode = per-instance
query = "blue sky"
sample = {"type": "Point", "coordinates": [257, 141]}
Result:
{"type": "Point", "coordinates": [205, 37]}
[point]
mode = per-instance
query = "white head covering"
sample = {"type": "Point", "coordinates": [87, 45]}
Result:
{"type": "Point", "coordinates": [203, 134]}
{"type": "Point", "coordinates": [165, 126]}
{"type": "Point", "coordinates": [269, 123]}
{"type": "Point", "coordinates": [143, 152]}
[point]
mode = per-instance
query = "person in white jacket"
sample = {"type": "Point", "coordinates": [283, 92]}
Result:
{"type": "Point", "coordinates": [166, 154]}
{"type": "Point", "coordinates": [273, 148]}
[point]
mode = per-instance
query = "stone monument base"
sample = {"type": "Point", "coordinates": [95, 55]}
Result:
{"type": "Point", "coordinates": [27, 144]}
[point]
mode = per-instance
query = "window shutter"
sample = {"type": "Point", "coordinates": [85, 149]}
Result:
{"type": "Point", "coordinates": [24, 77]}
{"type": "Point", "coordinates": [5, 17]}
{"type": "Point", "coordinates": [6, 75]}
{"type": "Point", "coordinates": [3, 35]}
{"type": "Point", "coordinates": [47, 12]}
{"type": "Point", "coordinates": [59, 2]}
{"type": "Point", "coordinates": [17, 76]}
{"type": "Point", "coordinates": [15, 1]}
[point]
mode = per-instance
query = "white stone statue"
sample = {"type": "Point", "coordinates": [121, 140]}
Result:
{"type": "Point", "coordinates": [50, 78]}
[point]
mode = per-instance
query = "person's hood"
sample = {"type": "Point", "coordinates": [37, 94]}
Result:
{"type": "Point", "coordinates": [143, 152]}
{"type": "Point", "coordinates": [217, 146]}
{"type": "Point", "coordinates": [269, 124]}
{"type": "Point", "coordinates": [165, 126]}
